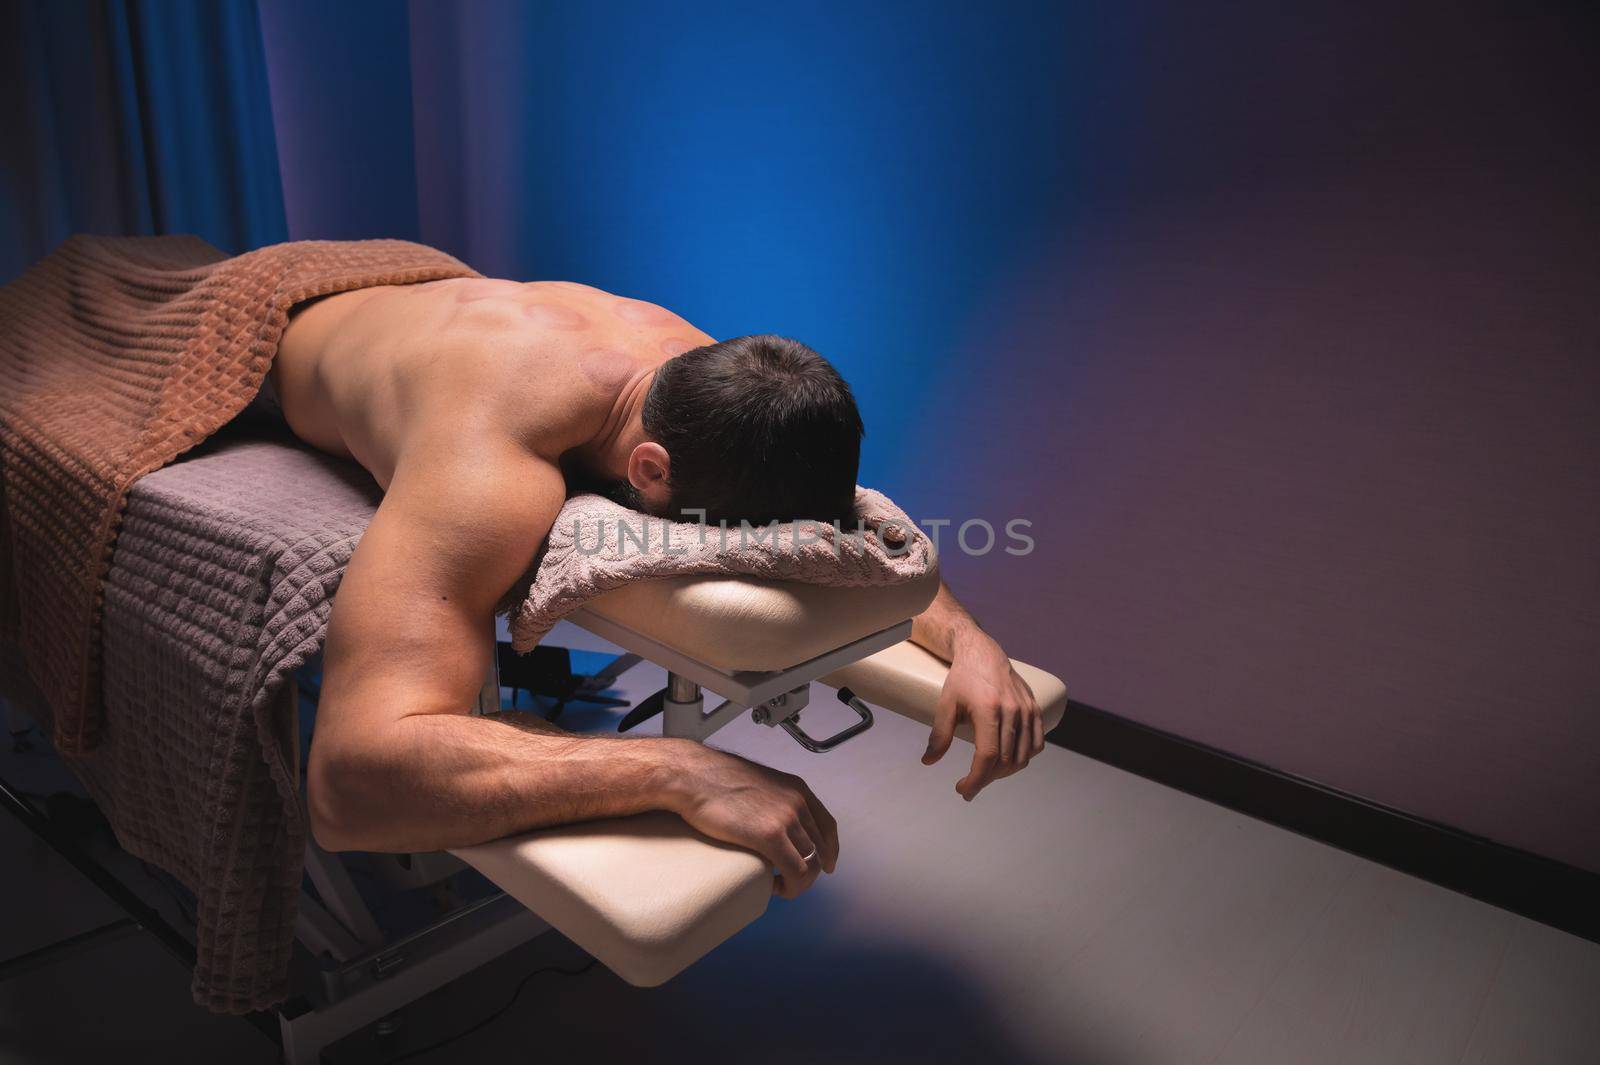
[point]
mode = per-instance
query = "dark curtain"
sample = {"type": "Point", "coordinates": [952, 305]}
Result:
{"type": "Point", "coordinates": [129, 117]}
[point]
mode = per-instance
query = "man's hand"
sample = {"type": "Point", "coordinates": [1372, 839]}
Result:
{"type": "Point", "coordinates": [772, 813]}
{"type": "Point", "coordinates": [982, 688]}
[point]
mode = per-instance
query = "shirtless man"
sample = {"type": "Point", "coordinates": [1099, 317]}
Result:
{"type": "Point", "coordinates": [476, 404]}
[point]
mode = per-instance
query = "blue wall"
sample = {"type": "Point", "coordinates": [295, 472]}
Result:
{"type": "Point", "coordinates": [852, 175]}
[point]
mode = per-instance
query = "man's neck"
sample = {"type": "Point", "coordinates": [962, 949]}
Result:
{"type": "Point", "coordinates": [606, 454]}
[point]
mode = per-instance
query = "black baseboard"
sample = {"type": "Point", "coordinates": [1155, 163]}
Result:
{"type": "Point", "coordinates": [1541, 889]}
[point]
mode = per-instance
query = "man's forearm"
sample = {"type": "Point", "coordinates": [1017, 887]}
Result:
{"type": "Point", "coordinates": [434, 781]}
{"type": "Point", "coordinates": [945, 627]}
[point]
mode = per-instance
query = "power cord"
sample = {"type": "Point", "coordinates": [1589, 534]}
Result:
{"type": "Point", "coordinates": [166, 881]}
{"type": "Point", "coordinates": [496, 1015]}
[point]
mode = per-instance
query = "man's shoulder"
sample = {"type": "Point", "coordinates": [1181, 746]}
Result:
{"type": "Point", "coordinates": [450, 456]}
{"type": "Point", "coordinates": [511, 395]}
{"type": "Point", "coordinates": [472, 497]}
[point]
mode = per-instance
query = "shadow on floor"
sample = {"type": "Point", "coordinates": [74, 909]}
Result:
{"type": "Point", "coordinates": [754, 1000]}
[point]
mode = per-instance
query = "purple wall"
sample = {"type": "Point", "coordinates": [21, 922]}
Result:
{"type": "Point", "coordinates": [1312, 435]}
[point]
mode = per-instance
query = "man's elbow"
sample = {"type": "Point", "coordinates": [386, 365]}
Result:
{"type": "Point", "coordinates": [343, 784]}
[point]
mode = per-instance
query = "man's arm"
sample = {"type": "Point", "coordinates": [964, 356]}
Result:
{"type": "Point", "coordinates": [1007, 727]}
{"type": "Point", "coordinates": [397, 762]}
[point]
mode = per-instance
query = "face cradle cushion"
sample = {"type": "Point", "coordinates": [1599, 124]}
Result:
{"type": "Point", "coordinates": [738, 624]}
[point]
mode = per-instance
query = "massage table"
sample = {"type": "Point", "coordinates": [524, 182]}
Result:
{"type": "Point", "coordinates": [645, 895]}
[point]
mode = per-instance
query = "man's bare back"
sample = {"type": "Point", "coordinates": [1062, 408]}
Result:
{"type": "Point", "coordinates": [365, 373]}
{"type": "Point", "coordinates": [475, 404]}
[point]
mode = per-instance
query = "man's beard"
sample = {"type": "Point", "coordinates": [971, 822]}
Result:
{"type": "Point", "coordinates": [622, 493]}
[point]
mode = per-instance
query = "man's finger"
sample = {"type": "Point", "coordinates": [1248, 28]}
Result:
{"type": "Point", "coordinates": [819, 859]}
{"type": "Point", "coordinates": [1011, 741]}
{"type": "Point", "coordinates": [793, 874]}
{"type": "Point", "coordinates": [983, 767]}
{"type": "Point", "coordinates": [828, 826]}
{"type": "Point", "coordinates": [808, 850]}
{"type": "Point", "coordinates": [985, 759]}
{"type": "Point", "coordinates": [944, 727]}
{"type": "Point", "coordinates": [1034, 732]}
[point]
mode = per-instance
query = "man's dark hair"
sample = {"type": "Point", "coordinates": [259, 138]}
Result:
{"type": "Point", "coordinates": [758, 429]}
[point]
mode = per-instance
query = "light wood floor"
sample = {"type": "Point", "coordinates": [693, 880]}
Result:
{"type": "Point", "coordinates": [1072, 914]}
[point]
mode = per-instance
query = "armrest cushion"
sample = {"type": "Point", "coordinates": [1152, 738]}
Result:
{"type": "Point", "coordinates": [646, 895]}
{"type": "Point", "coordinates": [907, 679]}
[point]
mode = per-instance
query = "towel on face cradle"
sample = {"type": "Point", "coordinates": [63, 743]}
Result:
{"type": "Point", "coordinates": [597, 545]}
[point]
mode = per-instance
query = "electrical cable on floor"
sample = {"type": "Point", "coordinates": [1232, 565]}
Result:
{"type": "Point", "coordinates": [496, 1015]}
{"type": "Point", "coordinates": [82, 818]}
{"type": "Point", "coordinates": [165, 879]}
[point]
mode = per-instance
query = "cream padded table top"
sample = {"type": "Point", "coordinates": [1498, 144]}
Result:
{"type": "Point", "coordinates": [737, 624]}
{"type": "Point", "coordinates": [647, 895]}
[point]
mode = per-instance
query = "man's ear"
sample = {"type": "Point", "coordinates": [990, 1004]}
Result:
{"type": "Point", "coordinates": [649, 470]}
